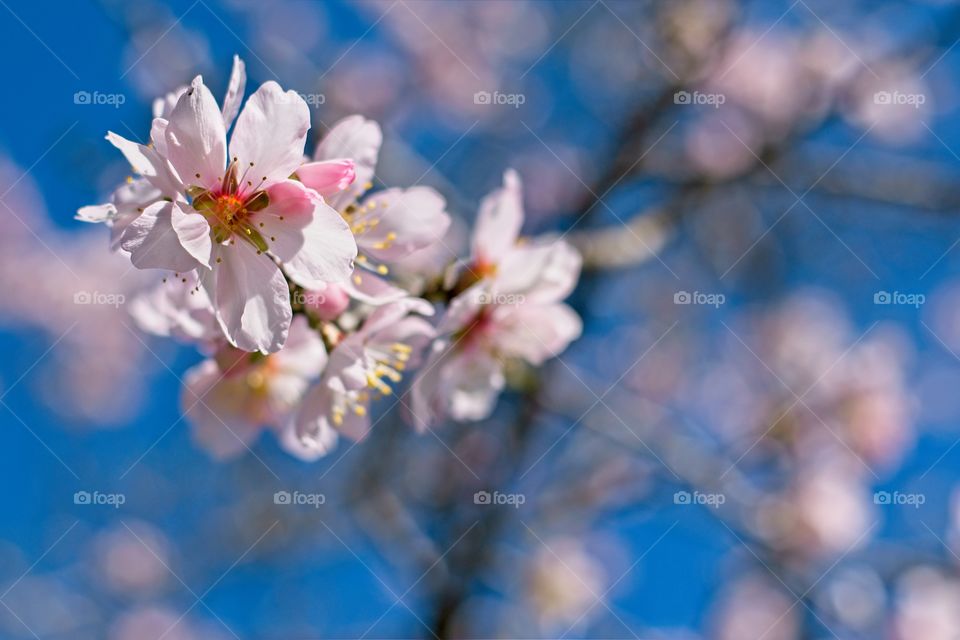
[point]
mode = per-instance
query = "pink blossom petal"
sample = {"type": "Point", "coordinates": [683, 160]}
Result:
{"type": "Point", "coordinates": [353, 138]}
{"type": "Point", "coordinates": [312, 241]}
{"type": "Point", "coordinates": [327, 177]}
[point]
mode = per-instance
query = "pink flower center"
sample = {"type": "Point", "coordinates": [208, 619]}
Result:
{"type": "Point", "coordinates": [228, 208]}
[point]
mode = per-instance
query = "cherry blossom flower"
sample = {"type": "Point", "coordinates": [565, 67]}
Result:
{"type": "Point", "coordinates": [364, 366]}
{"type": "Point", "coordinates": [510, 308]}
{"type": "Point", "coordinates": [208, 204]}
{"type": "Point", "coordinates": [230, 398]}
{"type": "Point", "coordinates": [130, 199]}
{"type": "Point", "coordinates": [389, 225]}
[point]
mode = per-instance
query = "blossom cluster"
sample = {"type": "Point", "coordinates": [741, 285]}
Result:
{"type": "Point", "coordinates": [288, 273]}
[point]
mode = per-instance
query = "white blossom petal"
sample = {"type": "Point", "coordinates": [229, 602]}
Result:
{"type": "Point", "coordinates": [369, 288]}
{"type": "Point", "coordinates": [536, 332]}
{"type": "Point", "coordinates": [147, 163]}
{"type": "Point", "coordinates": [407, 220]}
{"type": "Point", "coordinates": [215, 409]}
{"type": "Point", "coordinates": [195, 137]}
{"type": "Point", "coordinates": [499, 221]}
{"type": "Point", "coordinates": [251, 298]}
{"type": "Point", "coordinates": [153, 243]}
{"type": "Point", "coordinates": [541, 272]}
{"type": "Point", "coordinates": [193, 231]}
{"type": "Point", "coordinates": [235, 89]}
{"type": "Point", "coordinates": [271, 132]}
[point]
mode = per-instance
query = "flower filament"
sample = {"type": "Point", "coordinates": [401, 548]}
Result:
{"type": "Point", "coordinates": [228, 207]}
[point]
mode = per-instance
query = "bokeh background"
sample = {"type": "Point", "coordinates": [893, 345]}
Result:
{"type": "Point", "coordinates": [756, 437]}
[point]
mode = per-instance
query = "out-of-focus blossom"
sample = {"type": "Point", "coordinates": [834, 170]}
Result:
{"type": "Point", "coordinates": [76, 296]}
{"type": "Point", "coordinates": [893, 102]}
{"type": "Point", "coordinates": [231, 397]}
{"type": "Point", "coordinates": [154, 622]}
{"type": "Point", "coordinates": [510, 308]}
{"type": "Point", "coordinates": [45, 606]}
{"type": "Point", "coordinates": [178, 307]}
{"type": "Point", "coordinates": [564, 584]}
{"type": "Point", "coordinates": [133, 559]}
{"type": "Point", "coordinates": [926, 606]}
{"type": "Point", "coordinates": [812, 384]}
{"type": "Point", "coordinates": [488, 40]}
{"type": "Point", "coordinates": [856, 596]}
{"type": "Point", "coordinates": [754, 608]}
{"type": "Point", "coordinates": [827, 511]}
